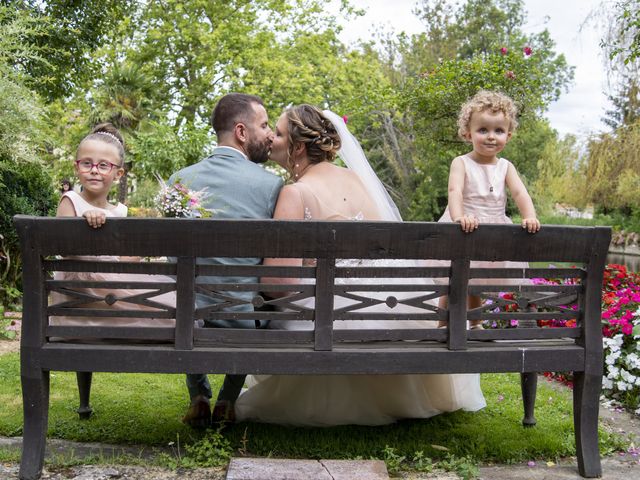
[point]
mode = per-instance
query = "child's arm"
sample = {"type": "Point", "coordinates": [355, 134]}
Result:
{"type": "Point", "coordinates": [456, 185]}
{"type": "Point", "coordinates": [523, 200]}
{"type": "Point", "coordinates": [66, 208]}
{"type": "Point", "coordinates": [95, 218]}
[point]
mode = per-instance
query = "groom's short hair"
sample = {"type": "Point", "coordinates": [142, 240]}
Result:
{"type": "Point", "coordinates": [232, 109]}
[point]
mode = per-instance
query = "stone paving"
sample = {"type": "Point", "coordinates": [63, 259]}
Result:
{"type": "Point", "coordinates": [619, 466]}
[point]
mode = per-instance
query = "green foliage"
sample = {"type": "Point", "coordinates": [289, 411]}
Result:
{"type": "Point", "coordinates": [20, 109]}
{"type": "Point", "coordinates": [25, 188]}
{"type": "Point", "coordinates": [66, 34]}
{"type": "Point", "coordinates": [624, 35]}
{"type": "Point", "coordinates": [211, 451]}
{"type": "Point", "coordinates": [435, 98]}
{"type": "Point", "coordinates": [612, 169]}
{"type": "Point", "coordinates": [158, 149]}
{"type": "Point", "coordinates": [461, 52]}
{"type": "Point", "coordinates": [561, 176]}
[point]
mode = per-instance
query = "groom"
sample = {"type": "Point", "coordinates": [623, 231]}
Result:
{"type": "Point", "coordinates": [239, 188]}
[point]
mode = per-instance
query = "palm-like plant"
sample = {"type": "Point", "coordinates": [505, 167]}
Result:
{"type": "Point", "coordinates": [124, 98]}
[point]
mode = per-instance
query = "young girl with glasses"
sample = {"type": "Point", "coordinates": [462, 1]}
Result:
{"type": "Point", "coordinates": [99, 162]}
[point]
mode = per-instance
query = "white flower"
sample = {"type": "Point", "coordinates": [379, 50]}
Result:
{"type": "Point", "coordinates": [607, 383]}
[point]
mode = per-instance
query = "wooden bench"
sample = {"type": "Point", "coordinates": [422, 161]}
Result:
{"type": "Point", "coordinates": [48, 244]}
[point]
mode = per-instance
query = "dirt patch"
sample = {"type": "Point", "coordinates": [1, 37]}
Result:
{"type": "Point", "coordinates": [11, 324]}
{"type": "Point", "coordinates": [9, 346]}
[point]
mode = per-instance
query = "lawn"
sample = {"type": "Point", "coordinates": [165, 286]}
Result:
{"type": "Point", "coordinates": [146, 409]}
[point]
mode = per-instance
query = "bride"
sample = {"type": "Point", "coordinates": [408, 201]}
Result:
{"type": "Point", "coordinates": [306, 143]}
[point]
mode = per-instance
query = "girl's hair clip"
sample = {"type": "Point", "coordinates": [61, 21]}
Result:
{"type": "Point", "coordinates": [108, 134]}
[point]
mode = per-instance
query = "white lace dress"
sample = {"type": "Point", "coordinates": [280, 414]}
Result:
{"type": "Point", "coordinates": [328, 400]}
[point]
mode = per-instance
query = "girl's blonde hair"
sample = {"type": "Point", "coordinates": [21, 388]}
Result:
{"type": "Point", "coordinates": [484, 100]}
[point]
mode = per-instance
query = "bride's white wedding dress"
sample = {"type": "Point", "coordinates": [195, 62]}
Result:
{"type": "Point", "coordinates": [327, 400]}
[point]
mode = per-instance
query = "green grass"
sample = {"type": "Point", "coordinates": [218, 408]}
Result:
{"type": "Point", "coordinates": [146, 409]}
{"type": "Point", "coordinates": [598, 220]}
{"type": "Point", "coordinates": [4, 323]}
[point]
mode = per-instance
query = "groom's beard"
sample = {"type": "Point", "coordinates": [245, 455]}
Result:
{"type": "Point", "coordinates": [259, 152]}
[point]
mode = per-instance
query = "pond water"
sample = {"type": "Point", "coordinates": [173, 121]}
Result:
{"type": "Point", "coordinates": [632, 262]}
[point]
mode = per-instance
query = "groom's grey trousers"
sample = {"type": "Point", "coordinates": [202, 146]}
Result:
{"type": "Point", "coordinates": [198, 383]}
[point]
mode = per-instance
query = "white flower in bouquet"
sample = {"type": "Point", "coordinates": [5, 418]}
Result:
{"type": "Point", "coordinates": [177, 200]}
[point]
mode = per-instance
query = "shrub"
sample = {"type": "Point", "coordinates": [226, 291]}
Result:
{"type": "Point", "coordinates": [25, 188]}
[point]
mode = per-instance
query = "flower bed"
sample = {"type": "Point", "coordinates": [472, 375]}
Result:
{"type": "Point", "coordinates": [620, 329]}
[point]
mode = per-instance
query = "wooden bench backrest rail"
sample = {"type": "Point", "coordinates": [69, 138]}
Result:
{"type": "Point", "coordinates": [357, 288]}
{"type": "Point", "coordinates": [45, 238]}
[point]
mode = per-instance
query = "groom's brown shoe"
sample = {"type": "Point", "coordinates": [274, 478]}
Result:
{"type": "Point", "coordinates": [199, 413]}
{"type": "Point", "coordinates": [223, 413]}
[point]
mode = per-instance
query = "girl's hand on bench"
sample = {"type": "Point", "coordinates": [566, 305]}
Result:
{"type": "Point", "coordinates": [468, 223]}
{"type": "Point", "coordinates": [532, 225]}
{"type": "Point", "coordinates": [95, 218]}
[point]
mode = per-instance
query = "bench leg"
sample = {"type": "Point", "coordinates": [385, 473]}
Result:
{"type": "Point", "coordinates": [84, 389]}
{"type": "Point", "coordinates": [529, 385]}
{"type": "Point", "coordinates": [35, 403]}
{"type": "Point", "coordinates": [586, 404]}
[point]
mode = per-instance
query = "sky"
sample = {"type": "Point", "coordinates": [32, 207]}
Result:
{"type": "Point", "coordinates": [578, 111]}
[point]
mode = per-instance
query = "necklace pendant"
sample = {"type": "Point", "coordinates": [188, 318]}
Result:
{"type": "Point", "coordinates": [490, 188]}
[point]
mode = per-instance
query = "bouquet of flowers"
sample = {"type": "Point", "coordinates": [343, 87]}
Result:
{"type": "Point", "coordinates": [178, 201]}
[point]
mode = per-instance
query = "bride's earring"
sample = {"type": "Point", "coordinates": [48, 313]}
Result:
{"type": "Point", "coordinates": [296, 171]}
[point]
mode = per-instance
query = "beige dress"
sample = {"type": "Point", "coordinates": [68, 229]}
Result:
{"type": "Point", "coordinates": [327, 400]}
{"type": "Point", "coordinates": [167, 299]}
{"type": "Point", "coordinates": [485, 197]}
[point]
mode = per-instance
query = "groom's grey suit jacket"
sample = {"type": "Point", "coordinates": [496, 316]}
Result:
{"type": "Point", "coordinates": [237, 188]}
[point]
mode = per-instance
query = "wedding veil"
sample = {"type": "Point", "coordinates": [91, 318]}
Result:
{"type": "Point", "coordinates": [355, 159]}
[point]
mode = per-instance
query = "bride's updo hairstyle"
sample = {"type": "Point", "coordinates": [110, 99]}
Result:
{"type": "Point", "coordinates": [306, 124]}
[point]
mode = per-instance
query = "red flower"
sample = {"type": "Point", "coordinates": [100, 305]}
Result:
{"type": "Point", "coordinates": [345, 119]}
{"type": "Point", "coordinates": [527, 51]}
{"type": "Point", "coordinates": [503, 50]}
{"type": "Point", "coordinates": [509, 74]}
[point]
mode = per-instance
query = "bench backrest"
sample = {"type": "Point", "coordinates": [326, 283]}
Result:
{"type": "Point", "coordinates": [350, 265]}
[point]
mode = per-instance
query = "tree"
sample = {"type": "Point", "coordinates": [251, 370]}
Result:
{"type": "Point", "coordinates": [612, 165]}
{"type": "Point", "coordinates": [621, 45]}
{"type": "Point", "coordinates": [66, 35]}
{"type": "Point", "coordinates": [561, 176]}
{"type": "Point", "coordinates": [124, 99]}
{"type": "Point", "coordinates": [466, 47]}
{"type": "Point", "coordinates": [622, 39]}
{"type": "Point", "coordinates": [435, 97]}
{"type": "Point", "coordinates": [194, 52]}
